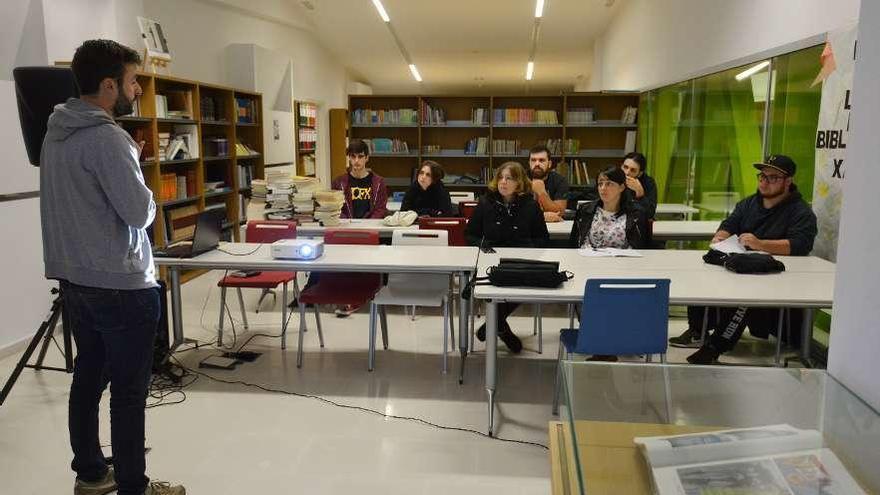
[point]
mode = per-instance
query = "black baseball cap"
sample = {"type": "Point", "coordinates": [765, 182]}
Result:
{"type": "Point", "coordinates": [780, 162]}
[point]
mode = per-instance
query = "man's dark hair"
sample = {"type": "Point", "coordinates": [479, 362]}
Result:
{"type": "Point", "coordinates": [638, 158]}
{"type": "Point", "coordinates": [356, 147]}
{"type": "Point", "coordinates": [96, 60]}
{"type": "Point", "coordinates": [539, 148]}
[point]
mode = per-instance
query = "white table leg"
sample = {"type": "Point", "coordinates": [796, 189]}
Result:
{"type": "Point", "coordinates": [491, 358]}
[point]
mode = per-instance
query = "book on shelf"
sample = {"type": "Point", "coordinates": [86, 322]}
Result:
{"type": "Point", "coordinates": [308, 139]}
{"type": "Point", "coordinates": [189, 135]}
{"type": "Point", "coordinates": [168, 187]}
{"type": "Point", "coordinates": [400, 116]}
{"type": "Point", "coordinates": [571, 146]}
{"type": "Point", "coordinates": [180, 222]}
{"type": "Point", "coordinates": [217, 146]}
{"type": "Point", "coordinates": [308, 163]}
{"type": "Point", "coordinates": [181, 187]}
{"type": "Point", "coordinates": [525, 116]}
{"type": "Point", "coordinates": [387, 146]}
{"type": "Point", "coordinates": [245, 175]}
{"type": "Point", "coordinates": [506, 146]}
{"type": "Point", "coordinates": [432, 115]}
{"type": "Point", "coordinates": [477, 146]}
{"type": "Point", "coordinates": [431, 149]}
{"type": "Point", "coordinates": [243, 202]}
{"type": "Point", "coordinates": [211, 108]}
{"type": "Point", "coordinates": [246, 110]}
{"type": "Point", "coordinates": [575, 171]}
{"type": "Point", "coordinates": [307, 114]}
{"type": "Point", "coordinates": [776, 459]}
{"type": "Point", "coordinates": [630, 144]}
{"type": "Point", "coordinates": [242, 149]}
{"type": "Point", "coordinates": [629, 115]}
{"type": "Point", "coordinates": [580, 116]}
{"type": "Point", "coordinates": [480, 116]}
{"type": "Point", "coordinates": [161, 106]}
{"type": "Point", "coordinates": [136, 107]}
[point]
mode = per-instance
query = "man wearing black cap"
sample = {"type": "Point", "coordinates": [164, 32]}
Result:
{"type": "Point", "coordinates": [775, 220]}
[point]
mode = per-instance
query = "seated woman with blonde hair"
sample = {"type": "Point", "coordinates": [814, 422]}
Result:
{"type": "Point", "coordinates": [508, 216]}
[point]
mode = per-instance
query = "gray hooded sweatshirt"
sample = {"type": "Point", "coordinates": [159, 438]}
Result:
{"type": "Point", "coordinates": [94, 204]}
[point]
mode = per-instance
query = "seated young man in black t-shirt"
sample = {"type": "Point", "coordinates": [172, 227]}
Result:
{"type": "Point", "coordinates": [775, 220]}
{"type": "Point", "coordinates": [365, 192]}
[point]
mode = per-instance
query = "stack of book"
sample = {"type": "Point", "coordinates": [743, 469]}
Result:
{"type": "Point", "coordinates": [505, 146]}
{"type": "Point", "coordinates": [432, 115]}
{"type": "Point", "coordinates": [480, 116]}
{"type": "Point", "coordinates": [477, 146]}
{"type": "Point", "coordinates": [214, 186]}
{"type": "Point", "coordinates": [524, 116]}
{"type": "Point", "coordinates": [575, 116]}
{"type": "Point", "coordinates": [401, 116]}
{"type": "Point", "coordinates": [164, 139]}
{"type": "Point", "coordinates": [279, 188]}
{"type": "Point", "coordinates": [259, 189]}
{"type": "Point", "coordinates": [329, 207]}
{"type": "Point", "coordinates": [777, 459]}
{"type": "Point", "coordinates": [246, 110]}
{"type": "Point", "coordinates": [629, 115]}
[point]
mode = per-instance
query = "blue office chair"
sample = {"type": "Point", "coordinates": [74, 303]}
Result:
{"type": "Point", "coordinates": [619, 317]}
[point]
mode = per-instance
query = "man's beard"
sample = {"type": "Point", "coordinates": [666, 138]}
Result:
{"type": "Point", "coordinates": [123, 105]}
{"type": "Point", "coordinates": [771, 195]}
{"type": "Point", "coordinates": [538, 173]}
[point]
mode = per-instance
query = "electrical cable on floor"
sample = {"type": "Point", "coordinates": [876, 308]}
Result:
{"type": "Point", "coordinates": [360, 408]}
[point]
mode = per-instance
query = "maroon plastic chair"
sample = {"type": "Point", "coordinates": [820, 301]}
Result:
{"type": "Point", "coordinates": [455, 227]}
{"type": "Point", "coordinates": [336, 288]}
{"type": "Point", "coordinates": [466, 208]}
{"type": "Point", "coordinates": [261, 232]}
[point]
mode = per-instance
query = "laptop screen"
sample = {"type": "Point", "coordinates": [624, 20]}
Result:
{"type": "Point", "coordinates": [207, 234]}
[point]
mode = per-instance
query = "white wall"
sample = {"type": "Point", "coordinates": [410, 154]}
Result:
{"type": "Point", "coordinates": [198, 33]}
{"type": "Point", "coordinates": [656, 42]}
{"type": "Point", "coordinates": [855, 332]}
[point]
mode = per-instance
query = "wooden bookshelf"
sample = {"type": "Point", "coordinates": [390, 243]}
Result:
{"type": "Point", "coordinates": [445, 124]}
{"type": "Point", "coordinates": [207, 112]}
{"type": "Point", "coordinates": [306, 137]}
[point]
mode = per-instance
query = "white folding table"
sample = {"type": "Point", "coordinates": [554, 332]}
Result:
{"type": "Point", "coordinates": [663, 230]}
{"type": "Point", "coordinates": [807, 282]}
{"type": "Point", "coordinates": [317, 230]}
{"type": "Point", "coordinates": [453, 260]}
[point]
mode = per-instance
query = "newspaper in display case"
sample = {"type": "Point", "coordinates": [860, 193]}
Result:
{"type": "Point", "coordinates": [767, 460]}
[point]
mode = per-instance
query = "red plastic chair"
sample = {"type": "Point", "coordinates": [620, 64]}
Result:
{"type": "Point", "coordinates": [466, 208]}
{"type": "Point", "coordinates": [455, 227]}
{"type": "Point", "coordinates": [354, 289]}
{"type": "Point", "coordinates": [262, 232]}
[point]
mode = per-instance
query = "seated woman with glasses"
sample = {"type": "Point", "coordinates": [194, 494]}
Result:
{"type": "Point", "coordinates": [427, 196]}
{"type": "Point", "coordinates": [508, 216]}
{"type": "Point", "coordinates": [614, 221]}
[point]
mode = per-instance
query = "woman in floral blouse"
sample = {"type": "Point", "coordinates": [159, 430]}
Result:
{"type": "Point", "coordinates": [614, 221]}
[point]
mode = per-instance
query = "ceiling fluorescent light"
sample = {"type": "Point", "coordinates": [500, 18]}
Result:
{"type": "Point", "coordinates": [530, 70]}
{"type": "Point", "coordinates": [381, 9]}
{"type": "Point", "coordinates": [752, 70]}
{"type": "Point", "coordinates": [539, 8]}
{"type": "Point", "coordinates": [415, 72]}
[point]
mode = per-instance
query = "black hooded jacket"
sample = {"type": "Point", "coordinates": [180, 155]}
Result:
{"type": "Point", "coordinates": [519, 223]}
{"type": "Point", "coordinates": [433, 202]}
{"type": "Point", "coordinates": [792, 219]}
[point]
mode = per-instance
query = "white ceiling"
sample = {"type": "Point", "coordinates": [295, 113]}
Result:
{"type": "Point", "coordinates": [462, 46]}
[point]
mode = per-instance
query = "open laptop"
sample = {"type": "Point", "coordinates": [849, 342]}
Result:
{"type": "Point", "coordinates": [205, 238]}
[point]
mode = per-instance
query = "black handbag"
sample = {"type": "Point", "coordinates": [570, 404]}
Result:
{"type": "Point", "coordinates": [517, 272]}
{"type": "Point", "coordinates": [744, 262]}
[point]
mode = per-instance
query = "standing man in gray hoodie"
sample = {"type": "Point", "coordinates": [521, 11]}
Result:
{"type": "Point", "coordinates": [95, 208]}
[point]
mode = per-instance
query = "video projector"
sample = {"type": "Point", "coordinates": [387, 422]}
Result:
{"type": "Point", "coordinates": [298, 249]}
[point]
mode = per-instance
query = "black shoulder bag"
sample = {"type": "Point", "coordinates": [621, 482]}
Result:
{"type": "Point", "coordinates": [517, 272]}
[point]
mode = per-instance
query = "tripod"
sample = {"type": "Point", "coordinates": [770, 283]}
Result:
{"type": "Point", "coordinates": [45, 333]}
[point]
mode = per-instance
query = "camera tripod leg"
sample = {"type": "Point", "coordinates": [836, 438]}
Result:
{"type": "Point", "coordinates": [46, 329]}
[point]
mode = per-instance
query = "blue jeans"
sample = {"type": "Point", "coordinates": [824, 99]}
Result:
{"type": "Point", "coordinates": [114, 331]}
